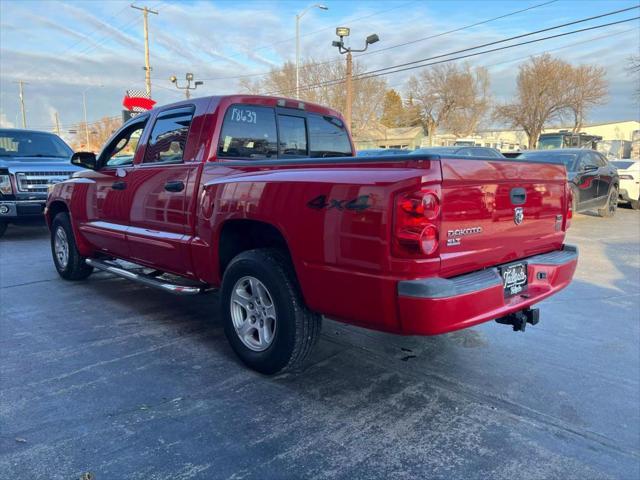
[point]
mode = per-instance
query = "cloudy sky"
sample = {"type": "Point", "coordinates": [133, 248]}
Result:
{"type": "Point", "coordinates": [64, 48]}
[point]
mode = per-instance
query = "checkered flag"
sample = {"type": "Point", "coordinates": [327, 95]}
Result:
{"type": "Point", "coordinates": [138, 94]}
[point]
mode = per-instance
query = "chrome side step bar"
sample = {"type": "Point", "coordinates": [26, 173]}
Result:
{"type": "Point", "coordinates": [147, 280]}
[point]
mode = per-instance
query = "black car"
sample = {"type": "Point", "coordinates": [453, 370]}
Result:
{"type": "Point", "coordinates": [460, 151]}
{"type": "Point", "coordinates": [593, 179]}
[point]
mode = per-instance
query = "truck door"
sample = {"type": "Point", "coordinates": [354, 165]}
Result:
{"type": "Point", "coordinates": [586, 179]}
{"type": "Point", "coordinates": [107, 195]}
{"type": "Point", "coordinates": [162, 186]}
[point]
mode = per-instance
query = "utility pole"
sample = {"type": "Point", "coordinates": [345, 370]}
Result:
{"type": "Point", "coordinates": [24, 113]}
{"type": "Point", "coordinates": [298, 17]}
{"type": "Point", "coordinates": [147, 67]}
{"type": "Point", "coordinates": [57, 124]}
{"type": "Point", "coordinates": [187, 88]}
{"type": "Point", "coordinates": [371, 39]}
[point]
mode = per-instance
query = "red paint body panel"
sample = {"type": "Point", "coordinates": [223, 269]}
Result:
{"type": "Point", "coordinates": [341, 253]}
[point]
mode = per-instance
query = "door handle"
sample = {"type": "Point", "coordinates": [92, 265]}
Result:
{"type": "Point", "coordinates": [175, 186]}
{"type": "Point", "coordinates": [120, 185]}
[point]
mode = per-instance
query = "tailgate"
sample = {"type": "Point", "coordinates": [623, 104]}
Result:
{"type": "Point", "coordinates": [496, 211]}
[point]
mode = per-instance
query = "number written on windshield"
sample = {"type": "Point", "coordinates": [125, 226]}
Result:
{"type": "Point", "coordinates": [242, 115]}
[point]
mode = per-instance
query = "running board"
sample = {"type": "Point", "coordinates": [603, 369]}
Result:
{"type": "Point", "coordinates": [147, 280]}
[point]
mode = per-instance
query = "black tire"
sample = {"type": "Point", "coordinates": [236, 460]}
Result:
{"type": "Point", "coordinates": [609, 209]}
{"type": "Point", "coordinates": [3, 228]}
{"type": "Point", "coordinates": [635, 205]}
{"type": "Point", "coordinates": [296, 328]}
{"type": "Point", "coordinates": [75, 267]}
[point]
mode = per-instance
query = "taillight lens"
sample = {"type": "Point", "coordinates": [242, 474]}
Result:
{"type": "Point", "coordinates": [569, 208]}
{"type": "Point", "coordinates": [417, 216]}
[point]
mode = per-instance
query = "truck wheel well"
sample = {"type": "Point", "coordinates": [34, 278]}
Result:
{"type": "Point", "coordinates": [241, 235]}
{"type": "Point", "coordinates": [55, 208]}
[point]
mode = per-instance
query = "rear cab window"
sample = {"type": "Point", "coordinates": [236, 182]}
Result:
{"type": "Point", "coordinates": [249, 131]}
{"type": "Point", "coordinates": [258, 132]}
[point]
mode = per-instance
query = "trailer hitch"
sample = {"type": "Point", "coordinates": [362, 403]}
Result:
{"type": "Point", "coordinates": [519, 320]}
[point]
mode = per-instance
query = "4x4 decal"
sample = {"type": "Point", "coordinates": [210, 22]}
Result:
{"type": "Point", "coordinates": [356, 204]}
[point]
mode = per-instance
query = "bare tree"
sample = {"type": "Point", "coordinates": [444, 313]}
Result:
{"type": "Point", "coordinates": [474, 104]}
{"type": "Point", "coordinates": [323, 83]}
{"type": "Point", "coordinates": [588, 89]}
{"type": "Point", "coordinates": [542, 96]}
{"type": "Point", "coordinates": [550, 89]}
{"type": "Point", "coordinates": [448, 96]}
{"type": "Point", "coordinates": [99, 133]}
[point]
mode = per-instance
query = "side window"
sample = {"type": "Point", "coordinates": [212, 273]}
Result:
{"type": "Point", "coordinates": [121, 150]}
{"type": "Point", "coordinates": [600, 160]}
{"type": "Point", "coordinates": [248, 131]}
{"type": "Point", "coordinates": [169, 136]}
{"type": "Point", "coordinates": [327, 137]}
{"type": "Point", "coordinates": [292, 136]}
{"type": "Point", "coordinates": [587, 159]}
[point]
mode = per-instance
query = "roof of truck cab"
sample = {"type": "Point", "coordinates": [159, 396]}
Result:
{"type": "Point", "coordinates": [263, 100]}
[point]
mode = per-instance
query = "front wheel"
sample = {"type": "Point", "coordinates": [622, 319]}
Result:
{"type": "Point", "coordinates": [609, 209]}
{"type": "Point", "coordinates": [66, 258]}
{"type": "Point", "coordinates": [265, 319]}
{"type": "Point", "coordinates": [635, 204]}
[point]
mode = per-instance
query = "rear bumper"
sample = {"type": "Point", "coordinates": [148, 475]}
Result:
{"type": "Point", "coordinates": [433, 306]}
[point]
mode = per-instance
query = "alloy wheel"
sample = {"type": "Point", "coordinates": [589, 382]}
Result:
{"type": "Point", "coordinates": [253, 313]}
{"type": "Point", "coordinates": [61, 247]}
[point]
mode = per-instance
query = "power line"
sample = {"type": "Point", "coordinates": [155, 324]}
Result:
{"type": "Point", "coordinates": [575, 22]}
{"type": "Point", "coordinates": [411, 42]}
{"type": "Point", "coordinates": [250, 75]}
{"type": "Point", "coordinates": [397, 68]}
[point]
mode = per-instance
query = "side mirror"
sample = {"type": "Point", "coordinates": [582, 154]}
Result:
{"type": "Point", "coordinates": [85, 160]}
{"type": "Point", "coordinates": [589, 168]}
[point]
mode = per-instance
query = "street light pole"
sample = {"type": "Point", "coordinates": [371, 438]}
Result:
{"type": "Point", "coordinates": [371, 39]}
{"type": "Point", "coordinates": [21, 85]}
{"type": "Point", "coordinates": [298, 17]}
{"type": "Point", "coordinates": [86, 125]}
{"type": "Point", "coordinates": [349, 94]}
{"type": "Point", "coordinates": [84, 110]}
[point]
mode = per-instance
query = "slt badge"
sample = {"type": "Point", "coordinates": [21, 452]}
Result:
{"type": "Point", "coordinates": [518, 215]}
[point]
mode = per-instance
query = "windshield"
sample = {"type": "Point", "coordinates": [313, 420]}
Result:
{"type": "Point", "coordinates": [16, 143]}
{"type": "Point", "coordinates": [550, 141]}
{"type": "Point", "coordinates": [566, 158]}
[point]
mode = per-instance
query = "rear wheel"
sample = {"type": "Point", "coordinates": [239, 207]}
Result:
{"type": "Point", "coordinates": [635, 204]}
{"type": "Point", "coordinates": [609, 209]}
{"type": "Point", "coordinates": [3, 228]}
{"type": "Point", "coordinates": [66, 258]}
{"type": "Point", "coordinates": [265, 319]}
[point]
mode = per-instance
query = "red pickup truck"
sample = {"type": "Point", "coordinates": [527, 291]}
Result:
{"type": "Point", "coordinates": [263, 199]}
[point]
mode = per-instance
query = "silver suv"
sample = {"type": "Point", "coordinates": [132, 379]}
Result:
{"type": "Point", "coordinates": [30, 161]}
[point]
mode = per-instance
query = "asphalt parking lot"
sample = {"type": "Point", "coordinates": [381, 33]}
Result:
{"type": "Point", "coordinates": [125, 382]}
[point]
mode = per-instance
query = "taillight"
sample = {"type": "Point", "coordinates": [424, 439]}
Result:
{"type": "Point", "coordinates": [417, 216]}
{"type": "Point", "coordinates": [569, 208]}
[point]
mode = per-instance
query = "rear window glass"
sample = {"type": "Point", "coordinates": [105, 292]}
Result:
{"type": "Point", "coordinates": [248, 131]}
{"type": "Point", "coordinates": [328, 137]}
{"type": "Point", "coordinates": [169, 136]}
{"type": "Point", "coordinates": [293, 135]}
{"type": "Point", "coordinates": [565, 158]}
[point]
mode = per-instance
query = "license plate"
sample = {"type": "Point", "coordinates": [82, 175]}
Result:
{"type": "Point", "coordinates": [514, 278]}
